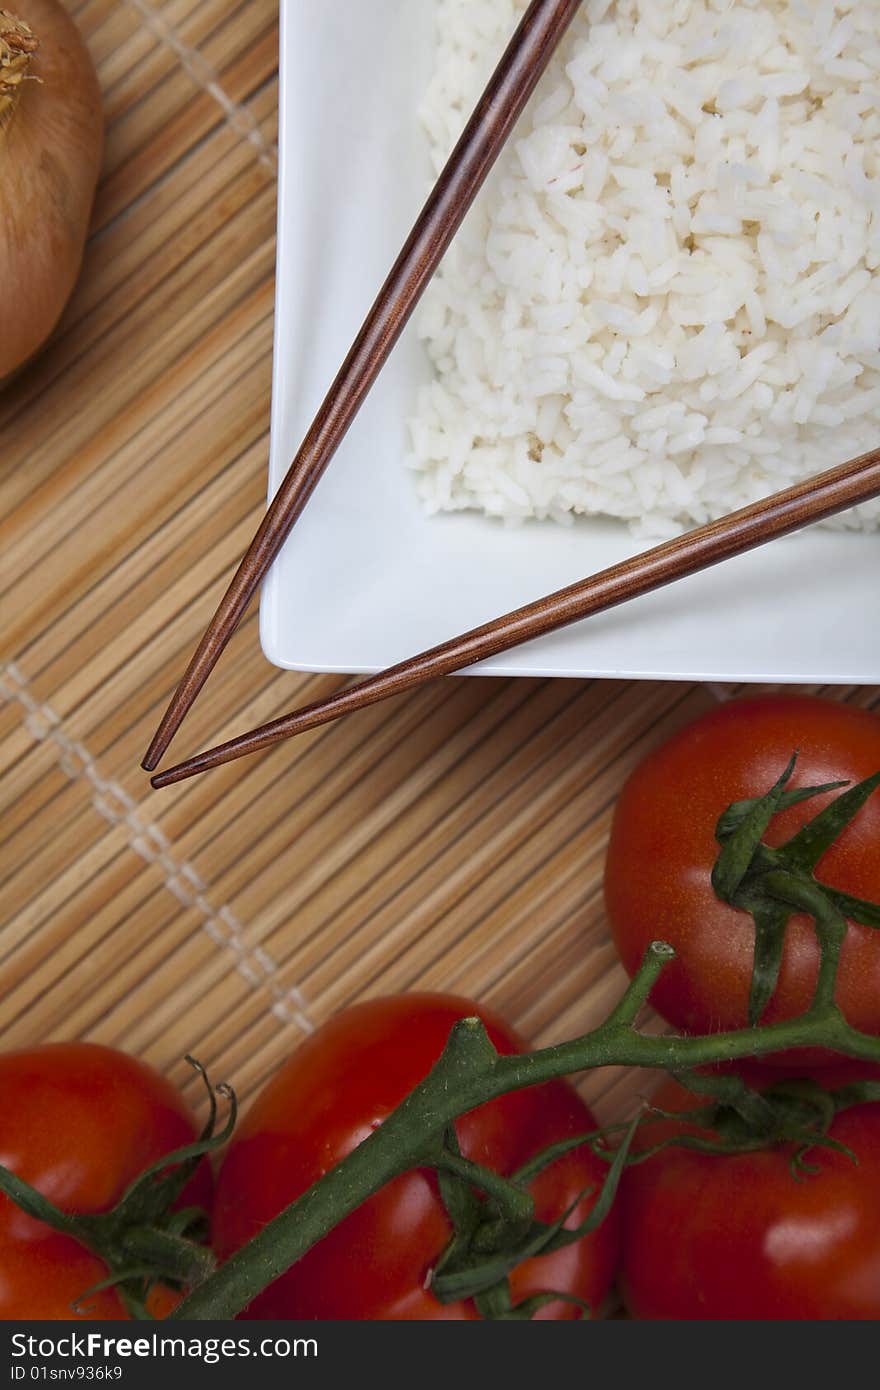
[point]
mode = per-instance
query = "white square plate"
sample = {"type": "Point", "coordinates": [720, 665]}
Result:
{"type": "Point", "coordinates": [366, 578]}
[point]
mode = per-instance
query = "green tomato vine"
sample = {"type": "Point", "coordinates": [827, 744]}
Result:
{"type": "Point", "coordinates": [493, 1216]}
{"type": "Point", "coordinates": [495, 1231]}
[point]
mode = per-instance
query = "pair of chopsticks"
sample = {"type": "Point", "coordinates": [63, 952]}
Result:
{"type": "Point", "coordinates": [508, 91]}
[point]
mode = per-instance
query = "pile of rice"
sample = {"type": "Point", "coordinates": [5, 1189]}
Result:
{"type": "Point", "coordinates": [664, 304]}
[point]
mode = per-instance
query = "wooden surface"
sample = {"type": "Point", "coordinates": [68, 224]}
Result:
{"type": "Point", "coordinates": [452, 839]}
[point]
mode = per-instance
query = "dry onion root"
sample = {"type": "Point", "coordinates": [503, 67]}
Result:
{"type": "Point", "coordinates": [51, 137]}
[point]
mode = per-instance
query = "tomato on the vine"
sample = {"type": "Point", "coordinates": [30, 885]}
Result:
{"type": "Point", "coordinates": [662, 849]}
{"type": "Point", "coordinates": [80, 1123]}
{"type": "Point", "coordinates": [339, 1085]}
{"type": "Point", "coordinates": [740, 1236]}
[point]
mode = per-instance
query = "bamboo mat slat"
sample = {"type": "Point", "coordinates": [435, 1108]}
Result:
{"type": "Point", "coordinates": [452, 840]}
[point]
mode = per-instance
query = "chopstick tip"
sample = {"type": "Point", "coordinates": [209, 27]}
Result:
{"type": "Point", "coordinates": [153, 755]}
{"type": "Point", "coordinates": [191, 767]}
{"type": "Point", "coordinates": [165, 779]}
{"type": "Point", "coordinates": [161, 740]}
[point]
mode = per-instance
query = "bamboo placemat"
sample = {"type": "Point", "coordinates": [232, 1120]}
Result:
{"type": "Point", "coordinates": [451, 840]}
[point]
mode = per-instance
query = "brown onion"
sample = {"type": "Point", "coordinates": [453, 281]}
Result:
{"type": "Point", "coordinates": [51, 136]}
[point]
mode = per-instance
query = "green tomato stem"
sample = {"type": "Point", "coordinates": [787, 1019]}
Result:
{"type": "Point", "coordinates": [808, 896]}
{"type": "Point", "coordinates": [468, 1074]}
{"type": "Point", "coordinates": [507, 1196]}
{"type": "Point", "coordinates": [178, 1259]}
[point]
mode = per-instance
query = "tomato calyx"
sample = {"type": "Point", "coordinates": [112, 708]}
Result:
{"type": "Point", "coordinates": [495, 1230]}
{"type": "Point", "coordinates": [144, 1240]}
{"type": "Point", "coordinates": [772, 884]}
{"type": "Point", "coordinates": [736, 1118]}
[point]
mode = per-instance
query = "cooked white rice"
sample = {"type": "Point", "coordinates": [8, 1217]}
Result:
{"type": "Point", "coordinates": [665, 303]}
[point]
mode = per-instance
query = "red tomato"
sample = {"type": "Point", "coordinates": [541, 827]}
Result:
{"type": "Point", "coordinates": [663, 847]}
{"type": "Point", "coordinates": [80, 1123]}
{"type": "Point", "coordinates": [335, 1090]}
{"type": "Point", "coordinates": [739, 1237]}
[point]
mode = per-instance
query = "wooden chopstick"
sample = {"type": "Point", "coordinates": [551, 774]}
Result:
{"type": "Point", "coordinates": [784, 512]}
{"type": "Point", "coordinates": [509, 89]}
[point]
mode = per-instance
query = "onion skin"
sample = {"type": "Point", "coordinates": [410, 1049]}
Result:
{"type": "Point", "coordinates": [51, 144]}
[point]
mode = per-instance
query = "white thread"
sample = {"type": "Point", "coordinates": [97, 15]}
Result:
{"type": "Point", "coordinates": [150, 843]}
{"type": "Point", "coordinates": [261, 956]}
{"type": "Point", "coordinates": [37, 725]}
{"type": "Point", "coordinates": [213, 930]}
{"type": "Point", "coordinates": [722, 693]}
{"type": "Point", "coordinates": [181, 893]}
{"type": "Point", "coordinates": [249, 973]}
{"type": "Point", "coordinates": [188, 872]}
{"type": "Point", "coordinates": [201, 72]}
{"type": "Point", "coordinates": [167, 864]}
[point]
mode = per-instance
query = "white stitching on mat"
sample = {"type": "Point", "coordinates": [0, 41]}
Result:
{"type": "Point", "coordinates": [722, 693]}
{"type": "Point", "coordinates": [149, 841]}
{"type": "Point", "coordinates": [200, 70]}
